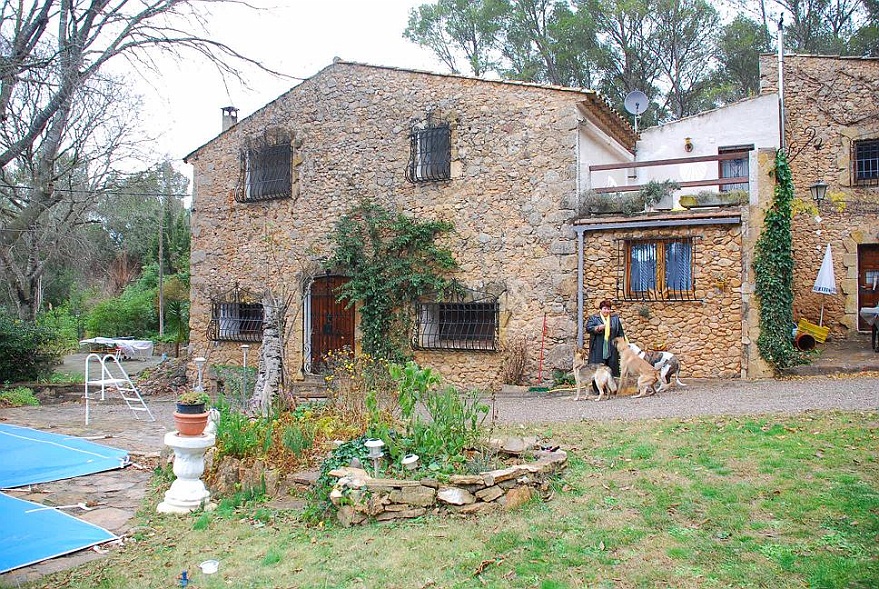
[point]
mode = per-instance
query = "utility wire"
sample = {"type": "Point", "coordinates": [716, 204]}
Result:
{"type": "Point", "coordinates": [114, 192]}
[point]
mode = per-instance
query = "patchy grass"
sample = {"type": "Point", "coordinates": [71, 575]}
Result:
{"type": "Point", "coordinates": [18, 397]}
{"type": "Point", "coordinates": [715, 502]}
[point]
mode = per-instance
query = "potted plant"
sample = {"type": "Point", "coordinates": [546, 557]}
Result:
{"type": "Point", "coordinates": [193, 402]}
{"type": "Point", "coordinates": [191, 416]}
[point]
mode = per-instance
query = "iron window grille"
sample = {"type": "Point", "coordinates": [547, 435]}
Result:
{"type": "Point", "coordinates": [734, 168]}
{"type": "Point", "coordinates": [656, 270]}
{"type": "Point", "coordinates": [430, 153]}
{"type": "Point", "coordinates": [236, 317]}
{"type": "Point", "coordinates": [467, 320]}
{"type": "Point", "coordinates": [866, 162]}
{"type": "Point", "coordinates": [265, 174]}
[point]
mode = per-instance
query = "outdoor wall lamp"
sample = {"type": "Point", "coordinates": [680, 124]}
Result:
{"type": "Point", "coordinates": [819, 192]}
{"type": "Point", "coordinates": [688, 144]}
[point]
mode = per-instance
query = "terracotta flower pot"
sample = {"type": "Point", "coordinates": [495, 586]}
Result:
{"type": "Point", "coordinates": [190, 424]}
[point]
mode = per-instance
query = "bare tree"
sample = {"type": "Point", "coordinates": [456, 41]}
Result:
{"type": "Point", "coordinates": [87, 35]}
{"type": "Point", "coordinates": [48, 190]}
{"type": "Point", "coordinates": [58, 140]}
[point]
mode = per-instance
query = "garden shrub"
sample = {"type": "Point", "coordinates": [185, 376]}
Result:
{"type": "Point", "coordinates": [18, 397]}
{"type": "Point", "coordinates": [133, 313]}
{"type": "Point", "coordinates": [65, 327]}
{"type": "Point", "coordinates": [27, 350]}
{"type": "Point", "coordinates": [242, 436]}
{"type": "Point", "coordinates": [454, 418]}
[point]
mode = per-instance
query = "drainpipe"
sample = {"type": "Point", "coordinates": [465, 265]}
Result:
{"type": "Point", "coordinates": [781, 113]}
{"type": "Point", "coordinates": [580, 337]}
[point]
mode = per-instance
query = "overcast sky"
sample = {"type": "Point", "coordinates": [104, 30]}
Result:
{"type": "Point", "coordinates": [298, 39]}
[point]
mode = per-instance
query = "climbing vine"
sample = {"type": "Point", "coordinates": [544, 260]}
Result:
{"type": "Point", "coordinates": [390, 260]}
{"type": "Point", "coordinates": [774, 270]}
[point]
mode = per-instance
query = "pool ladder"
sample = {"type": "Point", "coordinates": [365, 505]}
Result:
{"type": "Point", "coordinates": [112, 378]}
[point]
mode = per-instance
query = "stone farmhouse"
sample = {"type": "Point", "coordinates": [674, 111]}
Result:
{"type": "Point", "coordinates": [832, 131]}
{"type": "Point", "coordinates": [530, 175]}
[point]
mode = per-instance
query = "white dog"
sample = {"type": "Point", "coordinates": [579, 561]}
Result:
{"type": "Point", "coordinates": [666, 363]}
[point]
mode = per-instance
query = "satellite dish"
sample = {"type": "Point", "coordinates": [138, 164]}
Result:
{"type": "Point", "coordinates": [636, 103]}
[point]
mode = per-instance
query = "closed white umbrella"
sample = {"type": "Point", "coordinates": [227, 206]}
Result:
{"type": "Point", "coordinates": [825, 283]}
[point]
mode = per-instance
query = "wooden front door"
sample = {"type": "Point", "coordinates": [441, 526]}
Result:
{"type": "Point", "coordinates": [868, 280]}
{"type": "Point", "coordinates": [332, 325]}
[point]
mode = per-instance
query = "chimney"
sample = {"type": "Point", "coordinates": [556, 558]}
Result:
{"type": "Point", "coordinates": [230, 116]}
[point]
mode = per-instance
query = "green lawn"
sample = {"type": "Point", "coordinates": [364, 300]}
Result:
{"type": "Point", "coordinates": [714, 502]}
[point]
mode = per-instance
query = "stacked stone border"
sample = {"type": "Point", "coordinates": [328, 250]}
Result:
{"type": "Point", "coordinates": [360, 498]}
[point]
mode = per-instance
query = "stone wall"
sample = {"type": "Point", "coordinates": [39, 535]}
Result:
{"type": "Point", "coordinates": [706, 333]}
{"type": "Point", "coordinates": [834, 101]}
{"type": "Point", "coordinates": [360, 498]}
{"type": "Point", "coordinates": [511, 199]}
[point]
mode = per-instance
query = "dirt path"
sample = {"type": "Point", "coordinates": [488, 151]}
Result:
{"type": "Point", "coordinates": [701, 397]}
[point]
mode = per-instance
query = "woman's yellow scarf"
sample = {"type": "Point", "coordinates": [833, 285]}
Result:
{"type": "Point", "coordinates": [606, 320]}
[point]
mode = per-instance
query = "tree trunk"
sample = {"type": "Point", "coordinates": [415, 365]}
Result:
{"type": "Point", "coordinates": [270, 369]}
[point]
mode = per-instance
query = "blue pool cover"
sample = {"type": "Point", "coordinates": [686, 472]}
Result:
{"type": "Point", "coordinates": [31, 456]}
{"type": "Point", "coordinates": [30, 532]}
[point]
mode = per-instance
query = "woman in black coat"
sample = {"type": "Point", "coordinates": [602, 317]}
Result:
{"type": "Point", "coordinates": [603, 327]}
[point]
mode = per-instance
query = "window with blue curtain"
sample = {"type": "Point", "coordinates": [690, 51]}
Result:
{"type": "Point", "coordinates": [657, 269]}
{"type": "Point", "coordinates": [678, 264]}
{"type": "Point", "coordinates": [643, 267]}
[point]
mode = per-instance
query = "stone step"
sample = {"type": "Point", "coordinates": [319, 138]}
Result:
{"type": "Point", "coordinates": [311, 387]}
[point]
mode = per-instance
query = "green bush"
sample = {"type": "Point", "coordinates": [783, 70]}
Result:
{"type": "Point", "coordinates": [454, 418]}
{"type": "Point", "coordinates": [18, 397]}
{"type": "Point", "coordinates": [298, 437]}
{"type": "Point", "coordinates": [241, 436]}
{"type": "Point", "coordinates": [27, 350]}
{"type": "Point", "coordinates": [562, 378]}
{"type": "Point", "coordinates": [131, 314]}
{"type": "Point", "coordinates": [65, 328]}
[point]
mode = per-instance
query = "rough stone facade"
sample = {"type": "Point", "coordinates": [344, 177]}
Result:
{"type": "Point", "coordinates": [511, 198]}
{"type": "Point", "coordinates": [694, 330]}
{"type": "Point", "coordinates": [517, 151]}
{"type": "Point", "coordinates": [830, 102]}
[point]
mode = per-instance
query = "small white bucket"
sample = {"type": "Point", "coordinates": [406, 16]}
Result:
{"type": "Point", "coordinates": [209, 567]}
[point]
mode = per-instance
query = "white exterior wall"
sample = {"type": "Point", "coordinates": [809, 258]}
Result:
{"type": "Point", "coordinates": [595, 148]}
{"type": "Point", "coordinates": [749, 122]}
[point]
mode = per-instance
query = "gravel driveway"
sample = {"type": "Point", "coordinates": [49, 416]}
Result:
{"type": "Point", "coordinates": [700, 397]}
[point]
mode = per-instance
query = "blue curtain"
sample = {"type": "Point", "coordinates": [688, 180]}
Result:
{"type": "Point", "coordinates": [643, 265]}
{"type": "Point", "coordinates": [678, 262]}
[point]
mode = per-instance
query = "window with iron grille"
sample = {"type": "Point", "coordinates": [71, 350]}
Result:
{"type": "Point", "coordinates": [734, 168]}
{"type": "Point", "coordinates": [265, 174]}
{"type": "Point", "coordinates": [656, 270]}
{"type": "Point", "coordinates": [430, 154]}
{"type": "Point", "coordinates": [236, 317]}
{"type": "Point", "coordinates": [465, 320]}
{"type": "Point", "coordinates": [866, 162]}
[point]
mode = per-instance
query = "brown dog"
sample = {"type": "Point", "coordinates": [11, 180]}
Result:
{"type": "Point", "coordinates": [632, 365]}
{"type": "Point", "coordinates": [666, 363]}
{"type": "Point", "coordinates": [597, 375]}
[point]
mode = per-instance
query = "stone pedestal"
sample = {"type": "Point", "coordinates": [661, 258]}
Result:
{"type": "Point", "coordinates": [187, 492]}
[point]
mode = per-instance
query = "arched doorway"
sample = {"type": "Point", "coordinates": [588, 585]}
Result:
{"type": "Point", "coordinates": [329, 326]}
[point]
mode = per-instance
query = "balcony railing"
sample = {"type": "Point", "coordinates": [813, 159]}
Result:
{"type": "Point", "coordinates": [732, 155]}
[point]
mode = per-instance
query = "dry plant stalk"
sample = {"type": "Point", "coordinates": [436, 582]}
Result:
{"type": "Point", "coordinates": [513, 366]}
{"type": "Point", "coordinates": [350, 378]}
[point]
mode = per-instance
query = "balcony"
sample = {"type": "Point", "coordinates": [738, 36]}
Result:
{"type": "Point", "coordinates": [686, 172]}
